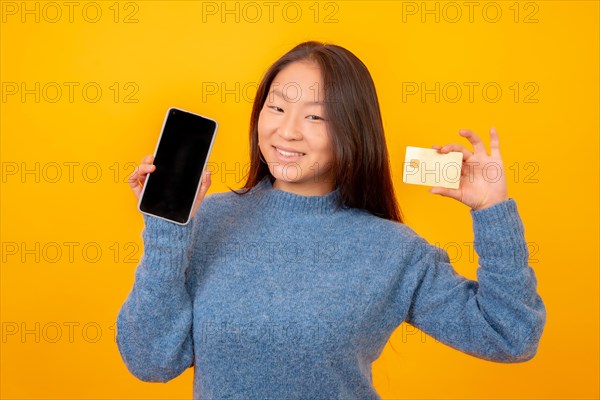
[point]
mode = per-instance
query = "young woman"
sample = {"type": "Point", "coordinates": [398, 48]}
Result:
{"type": "Point", "coordinates": [291, 287]}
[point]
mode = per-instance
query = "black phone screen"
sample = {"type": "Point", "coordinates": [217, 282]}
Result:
{"type": "Point", "coordinates": [180, 158]}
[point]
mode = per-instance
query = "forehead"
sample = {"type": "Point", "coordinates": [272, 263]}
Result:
{"type": "Point", "coordinates": [300, 80]}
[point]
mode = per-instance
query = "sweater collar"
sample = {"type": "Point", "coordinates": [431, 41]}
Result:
{"type": "Point", "coordinates": [264, 195]}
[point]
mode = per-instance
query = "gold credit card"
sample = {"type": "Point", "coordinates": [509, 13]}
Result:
{"type": "Point", "coordinates": [427, 167]}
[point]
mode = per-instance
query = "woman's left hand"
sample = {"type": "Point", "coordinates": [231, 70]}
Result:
{"type": "Point", "coordinates": [482, 181]}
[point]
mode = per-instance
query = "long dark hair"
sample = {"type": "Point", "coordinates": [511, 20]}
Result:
{"type": "Point", "coordinates": [361, 165]}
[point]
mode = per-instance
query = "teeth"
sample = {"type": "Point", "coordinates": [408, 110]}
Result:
{"type": "Point", "coordinates": [288, 153]}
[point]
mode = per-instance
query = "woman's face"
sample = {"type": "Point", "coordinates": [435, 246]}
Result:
{"type": "Point", "coordinates": [292, 131]}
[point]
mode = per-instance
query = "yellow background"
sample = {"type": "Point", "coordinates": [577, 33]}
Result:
{"type": "Point", "coordinates": [168, 52]}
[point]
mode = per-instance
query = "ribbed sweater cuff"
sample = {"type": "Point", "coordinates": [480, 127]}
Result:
{"type": "Point", "coordinates": [499, 232]}
{"type": "Point", "coordinates": [166, 248]}
{"type": "Point", "coordinates": [157, 228]}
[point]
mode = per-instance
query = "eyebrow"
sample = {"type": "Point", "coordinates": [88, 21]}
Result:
{"type": "Point", "coordinates": [278, 93]}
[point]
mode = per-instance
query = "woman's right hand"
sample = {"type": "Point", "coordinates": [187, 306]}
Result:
{"type": "Point", "coordinates": [138, 177]}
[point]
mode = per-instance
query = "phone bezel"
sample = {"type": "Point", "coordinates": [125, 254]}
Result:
{"type": "Point", "coordinates": [148, 177]}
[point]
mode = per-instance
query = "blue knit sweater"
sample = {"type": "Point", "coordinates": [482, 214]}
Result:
{"type": "Point", "coordinates": [273, 295]}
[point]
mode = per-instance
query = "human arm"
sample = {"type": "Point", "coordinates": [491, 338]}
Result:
{"type": "Point", "coordinates": [154, 325]}
{"type": "Point", "coordinates": [500, 317]}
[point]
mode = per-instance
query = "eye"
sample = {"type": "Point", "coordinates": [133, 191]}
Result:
{"type": "Point", "coordinates": [314, 117]}
{"type": "Point", "coordinates": [278, 109]}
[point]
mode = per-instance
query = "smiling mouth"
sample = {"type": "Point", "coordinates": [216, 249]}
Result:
{"type": "Point", "coordinates": [288, 153]}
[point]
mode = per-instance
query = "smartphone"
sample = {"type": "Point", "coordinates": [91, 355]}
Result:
{"type": "Point", "coordinates": [180, 157]}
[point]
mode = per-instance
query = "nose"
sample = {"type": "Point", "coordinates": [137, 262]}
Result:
{"type": "Point", "coordinates": [289, 128]}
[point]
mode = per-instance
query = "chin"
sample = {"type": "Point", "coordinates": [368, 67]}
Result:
{"type": "Point", "coordinates": [281, 177]}
{"type": "Point", "coordinates": [290, 177]}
